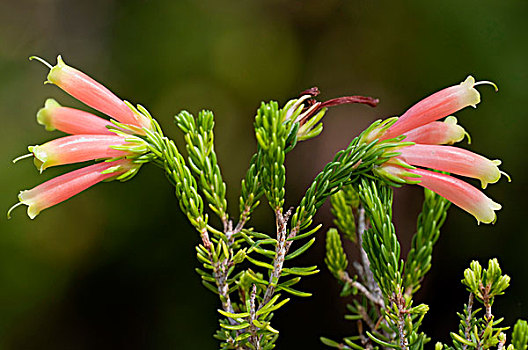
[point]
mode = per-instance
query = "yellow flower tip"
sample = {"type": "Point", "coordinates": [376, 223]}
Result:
{"type": "Point", "coordinates": [492, 174]}
{"type": "Point", "coordinates": [51, 103]}
{"type": "Point", "coordinates": [39, 165]}
{"type": "Point", "coordinates": [495, 205]}
{"type": "Point", "coordinates": [452, 120]}
{"type": "Point", "coordinates": [60, 61]}
{"type": "Point", "coordinates": [25, 197]}
{"type": "Point", "coordinates": [457, 133]}
{"type": "Point", "coordinates": [32, 212]}
{"type": "Point", "coordinates": [42, 159]}
{"type": "Point", "coordinates": [56, 72]}
{"type": "Point", "coordinates": [488, 215]}
{"type": "Point", "coordinates": [469, 82]}
{"type": "Point", "coordinates": [43, 115]}
{"type": "Point", "coordinates": [470, 96]}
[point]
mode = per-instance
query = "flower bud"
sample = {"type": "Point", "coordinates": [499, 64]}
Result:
{"type": "Point", "coordinates": [70, 120]}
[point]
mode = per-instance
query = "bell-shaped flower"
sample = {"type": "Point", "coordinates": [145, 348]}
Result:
{"type": "Point", "coordinates": [455, 190]}
{"type": "Point", "coordinates": [447, 132]}
{"type": "Point", "coordinates": [453, 160]}
{"type": "Point", "coordinates": [439, 105]}
{"type": "Point", "coordinates": [93, 94]}
{"type": "Point", "coordinates": [460, 193]}
{"type": "Point", "coordinates": [72, 121]}
{"type": "Point", "coordinates": [80, 148]}
{"type": "Point", "coordinates": [63, 187]}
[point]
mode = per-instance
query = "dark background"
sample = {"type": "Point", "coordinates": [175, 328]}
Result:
{"type": "Point", "coordinates": [113, 268]}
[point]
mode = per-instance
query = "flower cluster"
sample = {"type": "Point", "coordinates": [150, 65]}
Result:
{"type": "Point", "coordinates": [426, 143]}
{"type": "Point", "coordinates": [116, 141]}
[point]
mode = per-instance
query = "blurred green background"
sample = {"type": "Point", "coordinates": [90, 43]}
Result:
{"type": "Point", "coordinates": [113, 268]}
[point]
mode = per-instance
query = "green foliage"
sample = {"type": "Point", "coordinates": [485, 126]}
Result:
{"type": "Point", "coordinates": [389, 315]}
{"type": "Point", "coordinates": [336, 259]}
{"type": "Point", "coordinates": [430, 221]}
{"type": "Point", "coordinates": [250, 271]}
{"type": "Point", "coordinates": [169, 158]}
{"type": "Point", "coordinates": [271, 134]}
{"type": "Point", "coordinates": [520, 335]}
{"type": "Point", "coordinates": [478, 331]}
{"type": "Point", "coordinates": [394, 322]}
{"type": "Point", "coordinates": [380, 241]}
{"type": "Point", "coordinates": [251, 190]}
{"type": "Point", "coordinates": [249, 296]}
{"type": "Point", "coordinates": [359, 158]}
{"type": "Point", "coordinates": [485, 284]}
{"type": "Point", "coordinates": [199, 140]}
{"type": "Point", "coordinates": [344, 203]}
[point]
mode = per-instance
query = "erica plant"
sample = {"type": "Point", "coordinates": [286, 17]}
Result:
{"type": "Point", "coordinates": [254, 273]}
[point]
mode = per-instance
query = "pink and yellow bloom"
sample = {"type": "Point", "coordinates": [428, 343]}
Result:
{"type": "Point", "coordinates": [455, 190]}
{"type": "Point", "coordinates": [94, 94]}
{"type": "Point", "coordinates": [439, 105]}
{"type": "Point", "coordinates": [72, 121]}
{"type": "Point", "coordinates": [454, 160]}
{"type": "Point", "coordinates": [447, 132]}
{"type": "Point", "coordinates": [78, 148]}
{"type": "Point", "coordinates": [63, 187]}
{"type": "Point", "coordinates": [419, 125]}
{"type": "Point", "coordinates": [91, 138]}
{"type": "Point", "coordinates": [459, 193]}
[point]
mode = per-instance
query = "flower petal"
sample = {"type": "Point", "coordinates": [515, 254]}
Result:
{"type": "Point", "coordinates": [439, 105]}
{"type": "Point", "coordinates": [93, 93]}
{"type": "Point", "coordinates": [447, 132]}
{"type": "Point", "coordinates": [70, 120]}
{"type": "Point", "coordinates": [460, 193]}
{"type": "Point", "coordinates": [77, 148]}
{"type": "Point", "coordinates": [63, 187]}
{"type": "Point", "coordinates": [454, 160]}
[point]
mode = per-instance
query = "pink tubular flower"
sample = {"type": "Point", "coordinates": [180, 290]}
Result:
{"type": "Point", "coordinates": [456, 191]}
{"type": "Point", "coordinates": [77, 148]}
{"type": "Point", "coordinates": [61, 188]}
{"type": "Point", "coordinates": [439, 105]}
{"type": "Point", "coordinates": [71, 121]}
{"type": "Point", "coordinates": [459, 193]}
{"type": "Point", "coordinates": [419, 125]}
{"type": "Point", "coordinates": [92, 138]}
{"type": "Point", "coordinates": [454, 160]}
{"type": "Point", "coordinates": [94, 94]}
{"type": "Point", "coordinates": [437, 133]}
